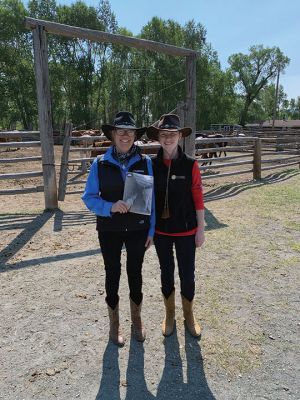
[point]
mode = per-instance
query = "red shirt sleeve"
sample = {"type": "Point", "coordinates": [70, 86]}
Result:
{"type": "Point", "coordinates": [197, 192]}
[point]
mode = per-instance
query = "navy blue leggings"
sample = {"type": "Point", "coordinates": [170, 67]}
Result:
{"type": "Point", "coordinates": [185, 254]}
{"type": "Point", "coordinates": [111, 244]}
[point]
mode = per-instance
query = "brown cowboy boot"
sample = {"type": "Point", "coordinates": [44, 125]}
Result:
{"type": "Point", "coordinates": [137, 325]}
{"type": "Point", "coordinates": [168, 322]}
{"type": "Point", "coordinates": [115, 332]}
{"type": "Point", "coordinates": [192, 325]}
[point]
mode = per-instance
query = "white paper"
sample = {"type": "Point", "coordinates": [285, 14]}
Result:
{"type": "Point", "coordinates": [138, 193]}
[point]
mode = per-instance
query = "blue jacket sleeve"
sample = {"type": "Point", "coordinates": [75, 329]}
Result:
{"type": "Point", "coordinates": [91, 196]}
{"type": "Point", "coordinates": [152, 216]}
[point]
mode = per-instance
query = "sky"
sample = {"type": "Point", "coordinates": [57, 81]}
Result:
{"type": "Point", "coordinates": [232, 26]}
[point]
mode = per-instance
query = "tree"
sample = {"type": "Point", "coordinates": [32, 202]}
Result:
{"type": "Point", "coordinates": [293, 109]}
{"type": "Point", "coordinates": [16, 67]}
{"type": "Point", "coordinates": [262, 107]}
{"type": "Point", "coordinates": [254, 71]}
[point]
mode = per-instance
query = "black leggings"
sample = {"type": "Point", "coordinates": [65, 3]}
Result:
{"type": "Point", "coordinates": [111, 244]}
{"type": "Point", "coordinates": [185, 253]}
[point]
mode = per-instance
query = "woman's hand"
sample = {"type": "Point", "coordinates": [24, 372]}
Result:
{"type": "Point", "coordinates": [199, 237]}
{"type": "Point", "coordinates": [120, 206]}
{"type": "Point", "coordinates": [149, 242]}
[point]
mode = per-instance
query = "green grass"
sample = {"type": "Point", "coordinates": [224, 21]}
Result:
{"type": "Point", "coordinates": [258, 243]}
{"type": "Point", "coordinates": [295, 246]}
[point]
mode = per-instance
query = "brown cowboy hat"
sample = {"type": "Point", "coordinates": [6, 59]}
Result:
{"type": "Point", "coordinates": [167, 122]}
{"type": "Point", "coordinates": [122, 120]}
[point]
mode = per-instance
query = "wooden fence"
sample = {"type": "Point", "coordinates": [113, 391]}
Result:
{"type": "Point", "coordinates": [279, 138]}
{"type": "Point", "coordinates": [244, 155]}
{"type": "Point", "coordinates": [10, 141]}
{"type": "Point", "coordinates": [257, 154]}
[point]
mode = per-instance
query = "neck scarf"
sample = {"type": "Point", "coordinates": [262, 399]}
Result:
{"type": "Point", "coordinates": [123, 158]}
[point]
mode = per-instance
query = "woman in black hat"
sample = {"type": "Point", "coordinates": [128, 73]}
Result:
{"type": "Point", "coordinates": [116, 225]}
{"type": "Point", "coordinates": [179, 218]}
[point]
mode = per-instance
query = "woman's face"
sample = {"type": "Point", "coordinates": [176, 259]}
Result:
{"type": "Point", "coordinates": [123, 139]}
{"type": "Point", "coordinates": [169, 140]}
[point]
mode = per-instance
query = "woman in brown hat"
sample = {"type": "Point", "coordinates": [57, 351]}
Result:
{"type": "Point", "coordinates": [116, 224]}
{"type": "Point", "coordinates": [179, 218]}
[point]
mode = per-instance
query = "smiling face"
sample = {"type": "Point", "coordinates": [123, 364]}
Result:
{"type": "Point", "coordinates": [169, 141]}
{"type": "Point", "coordinates": [123, 139]}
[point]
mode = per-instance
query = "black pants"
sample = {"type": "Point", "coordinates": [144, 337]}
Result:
{"type": "Point", "coordinates": [185, 254]}
{"type": "Point", "coordinates": [111, 244]}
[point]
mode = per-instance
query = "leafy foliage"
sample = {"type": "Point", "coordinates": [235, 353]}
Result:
{"type": "Point", "coordinates": [254, 71]}
{"type": "Point", "coordinates": [91, 81]}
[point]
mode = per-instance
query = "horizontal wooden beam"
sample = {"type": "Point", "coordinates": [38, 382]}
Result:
{"type": "Point", "coordinates": [99, 36]}
{"type": "Point", "coordinates": [88, 138]}
{"type": "Point", "coordinates": [21, 190]}
{"type": "Point", "coordinates": [218, 149]}
{"type": "Point", "coordinates": [11, 134]}
{"type": "Point", "coordinates": [280, 166]}
{"type": "Point", "coordinates": [224, 165]}
{"type": "Point", "coordinates": [21, 144]}
{"type": "Point", "coordinates": [244, 171]}
{"type": "Point", "coordinates": [20, 159]}
{"type": "Point", "coordinates": [224, 158]}
{"type": "Point", "coordinates": [227, 139]}
{"type": "Point", "coordinates": [21, 175]}
{"type": "Point", "coordinates": [274, 160]}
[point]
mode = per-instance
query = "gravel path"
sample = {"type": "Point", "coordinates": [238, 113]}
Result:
{"type": "Point", "coordinates": [54, 322]}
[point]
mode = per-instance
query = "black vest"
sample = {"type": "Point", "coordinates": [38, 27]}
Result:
{"type": "Point", "coordinates": [181, 205]}
{"type": "Point", "coordinates": [111, 186]}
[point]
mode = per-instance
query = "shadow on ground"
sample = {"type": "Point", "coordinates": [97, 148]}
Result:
{"type": "Point", "coordinates": [29, 225]}
{"type": "Point", "coordinates": [234, 189]}
{"type": "Point", "coordinates": [172, 384]}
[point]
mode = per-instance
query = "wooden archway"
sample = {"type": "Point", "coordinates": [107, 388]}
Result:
{"type": "Point", "coordinates": [39, 28]}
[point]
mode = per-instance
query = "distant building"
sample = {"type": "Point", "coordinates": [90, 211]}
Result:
{"type": "Point", "coordinates": [228, 128]}
{"type": "Point", "coordinates": [278, 124]}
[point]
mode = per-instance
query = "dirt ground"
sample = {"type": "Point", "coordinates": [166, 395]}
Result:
{"type": "Point", "coordinates": [54, 323]}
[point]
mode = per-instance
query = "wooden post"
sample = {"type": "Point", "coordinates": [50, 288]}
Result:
{"type": "Point", "coordinates": [279, 142]}
{"type": "Point", "coordinates": [45, 117]}
{"type": "Point", "coordinates": [84, 154]}
{"type": "Point", "coordinates": [276, 99]}
{"type": "Point", "coordinates": [64, 163]}
{"type": "Point", "coordinates": [257, 159]}
{"type": "Point", "coordinates": [180, 112]}
{"type": "Point", "coordinates": [190, 114]}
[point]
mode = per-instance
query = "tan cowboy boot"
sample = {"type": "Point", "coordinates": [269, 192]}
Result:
{"type": "Point", "coordinates": [192, 325]}
{"type": "Point", "coordinates": [168, 322]}
{"type": "Point", "coordinates": [115, 333]}
{"type": "Point", "coordinates": [137, 325]}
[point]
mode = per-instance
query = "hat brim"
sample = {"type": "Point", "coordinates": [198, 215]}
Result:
{"type": "Point", "coordinates": [152, 132]}
{"type": "Point", "coordinates": [107, 130]}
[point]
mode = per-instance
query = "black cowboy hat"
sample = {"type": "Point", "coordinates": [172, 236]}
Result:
{"type": "Point", "coordinates": [167, 122]}
{"type": "Point", "coordinates": [122, 120]}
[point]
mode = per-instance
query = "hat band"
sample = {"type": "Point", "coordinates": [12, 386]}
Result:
{"type": "Point", "coordinates": [168, 126]}
{"type": "Point", "coordinates": [125, 126]}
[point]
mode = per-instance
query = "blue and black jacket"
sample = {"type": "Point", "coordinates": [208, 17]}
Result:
{"type": "Point", "coordinates": [105, 186]}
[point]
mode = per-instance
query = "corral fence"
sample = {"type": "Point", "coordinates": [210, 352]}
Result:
{"type": "Point", "coordinates": [257, 154]}
{"type": "Point", "coordinates": [218, 157]}
{"type": "Point", "coordinates": [14, 140]}
{"type": "Point", "coordinates": [280, 138]}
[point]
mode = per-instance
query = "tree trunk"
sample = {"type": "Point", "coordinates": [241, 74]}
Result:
{"type": "Point", "coordinates": [244, 113]}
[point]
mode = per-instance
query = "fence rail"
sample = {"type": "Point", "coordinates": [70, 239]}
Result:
{"type": "Point", "coordinates": [214, 155]}
{"type": "Point", "coordinates": [9, 142]}
{"type": "Point", "coordinates": [21, 144]}
{"type": "Point", "coordinates": [261, 153]}
{"type": "Point", "coordinates": [11, 134]}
